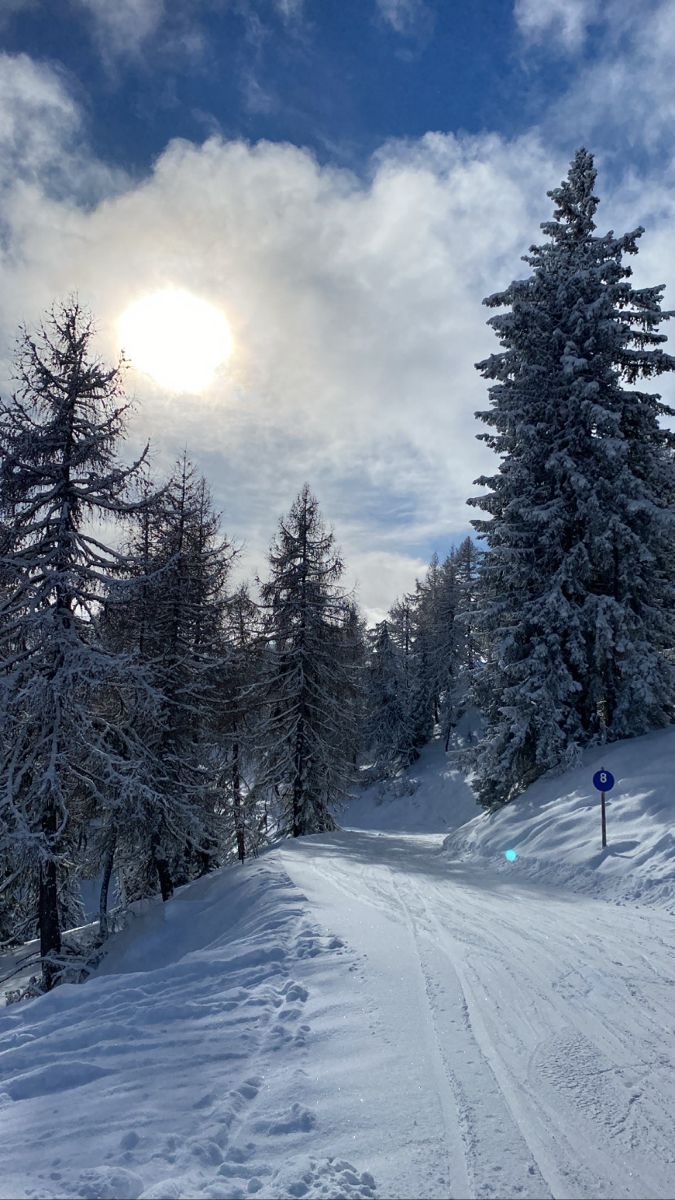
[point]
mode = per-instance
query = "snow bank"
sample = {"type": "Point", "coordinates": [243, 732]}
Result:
{"type": "Point", "coordinates": [182, 1068]}
{"type": "Point", "coordinates": [431, 797]}
{"type": "Point", "coordinates": [554, 827]}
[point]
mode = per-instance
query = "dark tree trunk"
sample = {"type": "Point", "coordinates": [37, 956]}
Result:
{"type": "Point", "coordinates": [161, 867]}
{"type": "Point", "coordinates": [164, 876]}
{"type": "Point", "coordinates": [105, 885]}
{"type": "Point", "coordinates": [297, 826]}
{"type": "Point", "coordinates": [48, 907]}
{"type": "Point", "coordinates": [299, 761]}
{"type": "Point", "coordinates": [236, 798]}
{"type": "Point", "coordinates": [207, 859]}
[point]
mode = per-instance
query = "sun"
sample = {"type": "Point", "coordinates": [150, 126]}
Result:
{"type": "Point", "coordinates": [176, 338]}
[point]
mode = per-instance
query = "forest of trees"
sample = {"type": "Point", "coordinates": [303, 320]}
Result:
{"type": "Point", "coordinates": [158, 719]}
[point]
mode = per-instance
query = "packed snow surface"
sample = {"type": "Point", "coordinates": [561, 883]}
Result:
{"type": "Point", "coordinates": [360, 1014]}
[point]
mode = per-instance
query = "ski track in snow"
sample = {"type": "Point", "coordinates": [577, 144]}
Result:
{"type": "Point", "coordinates": [353, 1015]}
{"type": "Point", "coordinates": [546, 1019]}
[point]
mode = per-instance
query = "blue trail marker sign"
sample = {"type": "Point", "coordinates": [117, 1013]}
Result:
{"type": "Point", "coordinates": [604, 782]}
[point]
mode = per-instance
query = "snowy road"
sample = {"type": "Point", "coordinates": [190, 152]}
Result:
{"type": "Point", "coordinates": [532, 1030]}
{"type": "Point", "coordinates": [353, 1015]}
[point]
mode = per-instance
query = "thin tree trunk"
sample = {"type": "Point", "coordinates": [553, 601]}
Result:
{"type": "Point", "coordinates": [299, 759]}
{"type": "Point", "coordinates": [48, 907]}
{"type": "Point", "coordinates": [298, 827]}
{"type": "Point", "coordinates": [236, 797]}
{"type": "Point", "coordinates": [161, 866]}
{"type": "Point", "coordinates": [207, 859]}
{"type": "Point", "coordinates": [105, 884]}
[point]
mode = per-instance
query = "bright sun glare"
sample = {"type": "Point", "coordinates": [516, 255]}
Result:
{"type": "Point", "coordinates": [176, 338]}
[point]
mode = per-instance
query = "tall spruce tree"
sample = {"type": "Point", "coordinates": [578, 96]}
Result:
{"type": "Point", "coordinates": [239, 718]}
{"type": "Point", "coordinates": [350, 652]}
{"type": "Point", "coordinates": [402, 629]}
{"type": "Point", "coordinates": [424, 691]}
{"type": "Point", "coordinates": [388, 735]}
{"type": "Point", "coordinates": [58, 471]}
{"type": "Point", "coordinates": [465, 658]}
{"type": "Point", "coordinates": [308, 762]}
{"type": "Point", "coordinates": [465, 562]}
{"type": "Point", "coordinates": [576, 603]}
{"type": "Point", "coordinates": [168, 614]}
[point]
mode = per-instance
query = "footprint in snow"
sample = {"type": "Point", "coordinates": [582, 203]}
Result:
{"type": "Point", "coordinates": [108, 1183]}
{"type": "Point", "coordinates": [164, 1189]}
{"type": "Point", "coordinates": [333, 1177]}
{"type": "Point", "coordinates": [299, 1119]}
{"type": "Point", "coordinates": [295, 992]}
{"type": "Point", "coordinates": [250, 1087]}
{"type": "Point", "coordinates": [310, 943]}
{"type": "Point", "coordinates": [207, 1152]}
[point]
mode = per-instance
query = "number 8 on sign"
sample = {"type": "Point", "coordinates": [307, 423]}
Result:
{"type": "Point", "coordinates": [603, 781]}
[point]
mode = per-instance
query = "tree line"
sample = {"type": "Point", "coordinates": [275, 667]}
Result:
{"type": "Point", "coordinates": [156, 720]}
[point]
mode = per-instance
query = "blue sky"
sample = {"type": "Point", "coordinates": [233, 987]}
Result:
{"type": "Point", "coordinates": [340, 76]}
{"type": "Point", "coordinates": [345, 180]}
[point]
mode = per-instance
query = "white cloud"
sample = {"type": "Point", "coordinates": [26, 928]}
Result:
{"type": "Point", "coordinates": [623, 98]}
{"type": "Point", "coordinates": [38, 116]}
{"type": "Point", "coordinates": [290, 10]}
{"type": "Point", "coordinates": [10, 8]}
{"type": "Point", "coordinates": [127, 28]}
{"type": "Point", "coordinates": [381, 576]}
{"type": "Point", "coordinates": [356, 310]}
{"type": "Point", "coordinates": [43, 138]}
{"type": "Point", "coordinates": [405, 16]}
{"type": "Point", "coordinates": [562, 22]}
{"type": "Point", "coordinates": [123, 27]}
{"type": "Point", "coordinates": [355, 306]}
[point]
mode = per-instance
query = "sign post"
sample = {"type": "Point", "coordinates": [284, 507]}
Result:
{"type": "Point", "coordinates": [603, 781]}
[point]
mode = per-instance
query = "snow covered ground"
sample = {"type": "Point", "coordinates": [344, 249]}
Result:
{"type": "Point", "coordinates": [555, 827]}
{"type": "Point", "coordinates": [362, 1014]}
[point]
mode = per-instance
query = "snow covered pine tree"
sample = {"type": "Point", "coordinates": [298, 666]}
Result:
{"type": "Point", "coordinates": [389, 737]}
{"type": "Point", "coordinates": [307, 759]}
{"type": "Point", "coordinates": [238, 720]}
{"type": "Point", "coordinates": [576, 606]}
{"type": "Point", "coordinates": [462, 656]}
{"type": "Point", "coordinates": [58, 469]}
{"type": "Point", "coordinates": [168, 613]}
{"type": "Point", "coordinates": [402, 630]}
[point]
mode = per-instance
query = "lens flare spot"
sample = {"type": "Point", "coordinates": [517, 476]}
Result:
{"type": "Point", "coordinates": [511, 855]}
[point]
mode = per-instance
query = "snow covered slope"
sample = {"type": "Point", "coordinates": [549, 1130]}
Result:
{"type": "Point", "coordinates": [432, 797]}
{"type": "Point", "coordinates": [359, 1014]}
{"type": "Point", "coordinates": [555, 827]}
{"type": "Point", "coordinates": [188, 1065]}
